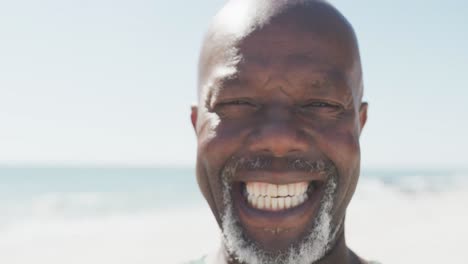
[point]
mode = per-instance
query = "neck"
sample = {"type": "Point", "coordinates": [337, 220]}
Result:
{"type": "Point", "coordinates": [340, 253]}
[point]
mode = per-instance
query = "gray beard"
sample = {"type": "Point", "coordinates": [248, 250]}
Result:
{"type": "Point", "coordinates": [310, 249]}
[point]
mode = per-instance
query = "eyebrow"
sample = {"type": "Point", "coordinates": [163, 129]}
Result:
{"type": "Point", "coordinates": [332, 80]}
{"type": "Point", "coordinates": [322, 79]}
{"type": "Point", "coordinates": [229, 80]}
{"type": "Point", "coordinates": [220, 82]}
{"type": "Point", "coordinates": [225, 81]}
{"type": "Point", "coordinates": [330, 77]}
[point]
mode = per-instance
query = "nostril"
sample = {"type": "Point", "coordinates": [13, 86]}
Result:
{"type": "Point", "coordinates": [278, 141]}
{"type": "Point", "coordinates": [293, 151]}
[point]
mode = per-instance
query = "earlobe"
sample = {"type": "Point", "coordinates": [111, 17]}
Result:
{"type": "Point", "coordinates": [363, 114]}
{"type": "Point", "coordinates": [194, 116]}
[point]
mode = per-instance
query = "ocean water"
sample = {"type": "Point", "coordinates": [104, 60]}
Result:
{"type": "Point", "coordinates": [155, 215]}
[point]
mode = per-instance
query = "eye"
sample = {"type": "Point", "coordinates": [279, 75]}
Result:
{"type": "Point", "coordinates": [234, 109]}
{"type": "Point", "coordinates": [321, 107]}
{"type": "Point", "coordinates": [319, 104]}
{"type": "Point", "coordinates": [237, 103]}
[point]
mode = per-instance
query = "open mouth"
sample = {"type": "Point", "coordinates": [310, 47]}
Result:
{"type": "Point", "coordinates": [273, 199]}
{"type": "Point", "coordinates": [273, 207]}
{"type": "Point", "coordinates": [276, 197]}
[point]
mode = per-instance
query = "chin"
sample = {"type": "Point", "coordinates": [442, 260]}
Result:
{"type": "Point", "coordinates": [279, 222]}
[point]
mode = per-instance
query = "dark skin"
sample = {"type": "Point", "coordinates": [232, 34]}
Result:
{"type": "Point", "coordinates": [290, 88]}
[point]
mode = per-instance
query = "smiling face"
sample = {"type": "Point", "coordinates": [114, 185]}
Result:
{"type": "Point", "coordinates": [278, 128]}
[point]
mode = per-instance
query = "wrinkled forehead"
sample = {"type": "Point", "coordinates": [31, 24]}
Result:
{"type": "Point", "coordinates": [287, 44]}
{"type": "Point", "coordinates": [300, 40]}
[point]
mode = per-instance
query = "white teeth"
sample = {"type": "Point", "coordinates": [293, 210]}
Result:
{"type": "Point", "coordinates": [264, 189]}
{"type": "Point", "coordinates": [299, 188]}
{"type": "Point", "coordinates": [267, 202]}
{"type": "Point", "coordinates": [274, 203]}
{"type": "Point", "coordinates": [274, 197]}
{"type": "Point", "coordinates": [275, 190]}
{"type": "Point", "coordinates": [280, 203]}
{"type": "Point", "coordinates": [254, 201]}
{"type": "Point", "coordinates": [260, 202]}
{"type": "Point", "coordinates": [255, 189]}
{"type": "Point", "coordinates": [291, 189]}
{"type": "Point", "coordinates": [250, 198]}
{"type": "Point", "coordinates": [272, 190]}
{"type": "Point", "coordinates": [287, 202]}
{"type": "Point", "coordinates": [294, 201]}
{"type": "Point", "coordinates": [302, 198]}
{"type": "Point", "coordinates": [249, 188]}
{"type": "Point", "coordinates": [282, 190]}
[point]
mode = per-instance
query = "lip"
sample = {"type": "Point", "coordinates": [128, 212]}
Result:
{"type": "Point", "coordinates": [286, 219]}
{"type": "Point", "coordinates": [279, 177]}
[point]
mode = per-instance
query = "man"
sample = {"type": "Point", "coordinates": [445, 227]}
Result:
{"type": "Point", "coordinates": [278, 122]}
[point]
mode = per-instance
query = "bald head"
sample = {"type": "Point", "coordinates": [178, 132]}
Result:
{"type": "Point", "coordinates": [282, 80]}
{"type": "Point", "coordinates": [239, 20]}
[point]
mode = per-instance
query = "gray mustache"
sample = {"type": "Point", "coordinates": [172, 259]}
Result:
{"type": "Point", "coordinates": [269, 163]}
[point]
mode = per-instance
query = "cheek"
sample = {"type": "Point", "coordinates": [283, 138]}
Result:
{"type": "Point", "coordinates": [217, 143]}
{"type": "Point", "coordinates": [340, 143]}
{"type": "Point", "coordinates": [219, 140]}
{"type": "Point", "coordinates": [342, 146]}
{"type": "Point", "coordinates": [339, 140]}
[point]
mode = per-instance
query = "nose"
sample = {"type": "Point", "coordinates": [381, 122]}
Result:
{"type": "Point", "coordinates": [278, 138]}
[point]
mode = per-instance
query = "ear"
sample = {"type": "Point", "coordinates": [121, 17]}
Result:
{"type": "Point", "coordinates": [363, 114]}
{"type": "Point", "coordinates": [194, 116]}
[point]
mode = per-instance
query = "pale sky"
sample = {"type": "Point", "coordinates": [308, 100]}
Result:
{"type": "Point", "coordinates": [101, 82]}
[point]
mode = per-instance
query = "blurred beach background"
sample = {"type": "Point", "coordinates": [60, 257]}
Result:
{"type": "Point", "coordinates": [147, 215]}
{"type": "Point", "coordinates": [97, 152]}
